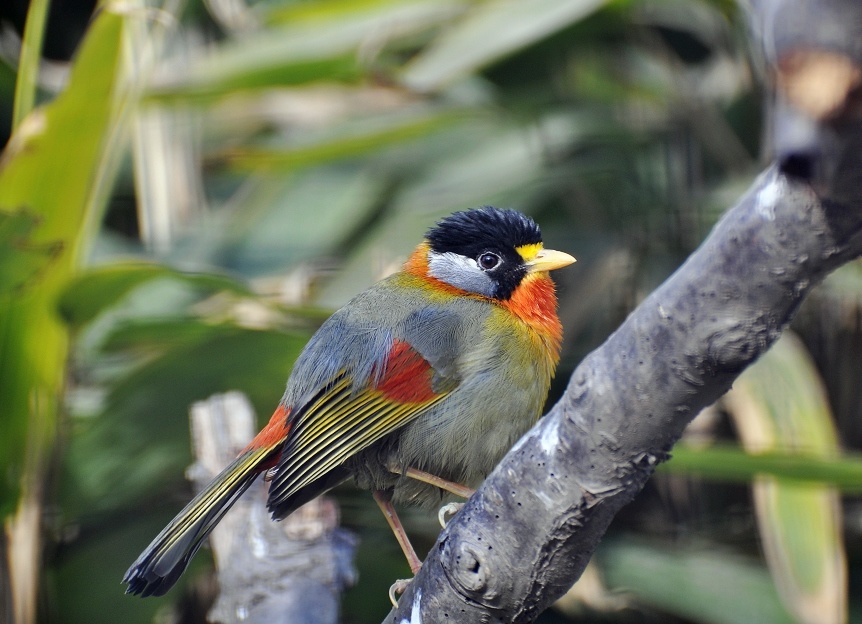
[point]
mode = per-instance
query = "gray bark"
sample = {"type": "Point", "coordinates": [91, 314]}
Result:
{"type": "Point", "coordinates": [524, 538]}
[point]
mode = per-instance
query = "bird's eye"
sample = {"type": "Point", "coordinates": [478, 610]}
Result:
{"type": "Point", "coordinates": [488, 261]}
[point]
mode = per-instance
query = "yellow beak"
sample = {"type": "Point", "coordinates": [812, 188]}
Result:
{"type": "Point", "coordinates": [548, 260]}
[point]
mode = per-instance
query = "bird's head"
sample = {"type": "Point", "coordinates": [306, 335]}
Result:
{"type": "Point", "coordinates": [487, 252]}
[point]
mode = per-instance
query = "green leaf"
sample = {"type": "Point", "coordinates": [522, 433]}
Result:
{"type": "Point", "coordinates": [422, 13]}
{"type": "Point", "coordinates": [779, 404]}
{"type": "Point", "coordinates": [491, 31]}
{"type": "Point", "coordinates": [161, 334]}
{"type": "Point", "coordinates": [281, 221]}
{"type": "Point", "coordinates": [56, 164]}
{"type": "Point", "coordinates": [235, 75]}
{"type": "Point", "coordinates": [699, 584]}
{"type": "Point", "coordinates": [325, 48]}
{"type": "Point", "coordinates": [28, 64]}
{"type": "Point", "coordinates": [844, 286]}
{"type": "Point", "coordinates": [21, 260]}
{"type": "Point", "coordinates": [731, 463]}
{"type": "Point", "coordinates": [343, 141]}
{"type": "Point", "coordinates": [98, 289]}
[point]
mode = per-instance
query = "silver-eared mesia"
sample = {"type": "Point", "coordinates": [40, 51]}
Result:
{"type": "Point", "coordinates": [428, 377]}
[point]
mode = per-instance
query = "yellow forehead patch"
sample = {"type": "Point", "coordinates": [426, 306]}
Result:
{"type": "Point", "coordinates": [529, 252]}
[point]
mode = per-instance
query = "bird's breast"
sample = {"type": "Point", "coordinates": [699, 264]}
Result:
{"type": "Point", "coordinates": [505, 369]}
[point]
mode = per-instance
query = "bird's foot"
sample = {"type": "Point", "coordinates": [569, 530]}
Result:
{"type": "Point", "coordinates": [398, 587]}
{"type": "Point", "coordinates": [447, 511]}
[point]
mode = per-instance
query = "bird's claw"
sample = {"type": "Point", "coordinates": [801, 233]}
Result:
{"type": "Point", "coordinates": [447, 511]}
{"type": "Point", "coordinates": [398, 587]}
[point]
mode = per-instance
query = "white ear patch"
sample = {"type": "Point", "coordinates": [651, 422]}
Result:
{"type": "Point", "coordinates": [461, 272]}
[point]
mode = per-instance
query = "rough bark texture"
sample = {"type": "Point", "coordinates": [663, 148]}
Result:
{"type": "Point", "coordinates": [290, 571]}
{"type": "Point", "coordinates": [528, 533]}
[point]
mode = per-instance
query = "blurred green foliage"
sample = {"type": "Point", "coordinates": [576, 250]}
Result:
{"type": "Point", "coordinates": [270, 159]}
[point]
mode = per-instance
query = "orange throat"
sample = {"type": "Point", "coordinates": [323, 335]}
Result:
{"type": "Point", "coordinates": [535, 303]}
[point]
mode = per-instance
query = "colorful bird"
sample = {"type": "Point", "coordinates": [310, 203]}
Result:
{"type": "Point", "coordinates": [421, 382]}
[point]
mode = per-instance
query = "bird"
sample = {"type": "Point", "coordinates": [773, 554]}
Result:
{"type": "Point", "coordinates": [417, 385]}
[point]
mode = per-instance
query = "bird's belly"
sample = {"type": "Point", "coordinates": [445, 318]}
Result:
{"type": "Point", "coordinates": [464, 436]}
{"type": "Point", "coordinates": [476, 444]}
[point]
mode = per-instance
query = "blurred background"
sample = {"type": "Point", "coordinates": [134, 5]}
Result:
{"type": "Point", "coordinates": [203, 181]}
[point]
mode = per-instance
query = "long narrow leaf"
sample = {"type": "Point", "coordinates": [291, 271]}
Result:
{"type": "Point", "coordinates": [730, 463]}
{"type": "Point", "coordinates": [779, 405]}
{"type": "Point", "coordinates": [48, 170]}
{"type": "Point", "coordinates": [360, 142]}
{"type": "Point", "coordinates": [491, 31]}
{"type": "Point", "coordinates": [28, 65]}
{"type": "Point", "coordinates": [95, 291]}
{"type": "Point", "coordinates": [300, 53]}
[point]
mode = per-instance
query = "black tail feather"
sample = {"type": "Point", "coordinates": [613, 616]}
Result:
{"type": "Point", "coordinates": [156, 570]}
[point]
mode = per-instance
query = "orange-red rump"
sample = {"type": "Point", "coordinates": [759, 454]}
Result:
{"type": "Point", "coordinates": [274, 433]}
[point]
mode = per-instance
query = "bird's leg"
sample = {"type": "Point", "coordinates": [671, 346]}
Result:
{"type": "Point", "coordinates": [385, 504]}
{"type": "Point", "coordinates": [453, 488]}
{"type": "Point", "coordinates": [426, 477]}
{"type": "Point", "coordinates": [383, 501]}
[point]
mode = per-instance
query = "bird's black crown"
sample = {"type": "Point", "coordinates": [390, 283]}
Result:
{"type": "Point", "coordinates": [471, 231]}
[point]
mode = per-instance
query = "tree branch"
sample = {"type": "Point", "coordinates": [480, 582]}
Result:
{"type": "Point", "coordinates": [529, 531]}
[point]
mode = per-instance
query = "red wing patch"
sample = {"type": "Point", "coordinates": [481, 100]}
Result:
{"type": "Point", "coordinates": [407, 377]}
